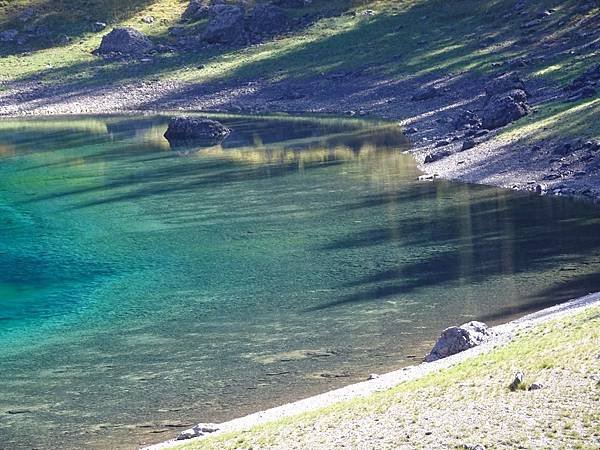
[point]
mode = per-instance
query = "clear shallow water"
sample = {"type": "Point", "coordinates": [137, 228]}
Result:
{"type": "Point", "coordinates": [143, 289]}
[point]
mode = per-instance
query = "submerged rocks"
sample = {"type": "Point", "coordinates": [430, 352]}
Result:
{"type": "Point", "coordinates": [503, 109]}
{"type": "Point", "coordinates": [127, 41]}
{"type": "Point", "coordinates": [198, 129]}
{"type": "Point", "coordinates": [458, 339]}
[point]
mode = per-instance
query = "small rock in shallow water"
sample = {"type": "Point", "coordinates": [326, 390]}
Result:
{"type": "Point", "coordinates": [202, 129]}
{"type": "Point", "coordinates": [201, 429]}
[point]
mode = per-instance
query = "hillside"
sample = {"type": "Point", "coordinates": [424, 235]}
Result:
{"type": "Point", "coordinates": [365, 58]}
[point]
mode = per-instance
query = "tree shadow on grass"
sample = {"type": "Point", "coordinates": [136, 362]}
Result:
{"type": "Point", "coordinates": [43, 22]}
{"type": "Point", "coordinates": [393, 47]}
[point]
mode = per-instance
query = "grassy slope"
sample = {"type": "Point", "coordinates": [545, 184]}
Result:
{"type": "Point", "coordinates": [565, 414]}
{"type": "Point", "coordinates": [403, 38]}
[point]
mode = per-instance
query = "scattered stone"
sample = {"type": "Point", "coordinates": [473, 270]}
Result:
{"type": "Point", "coordinates": [433, 157]}
{"type": "Point", "coordinates": [587, 91]}
{"type": "Point", "coordinates": [469, 143]}
{"type": "Point", "coordinates": [503, 109]}
{"type": "Point", "coordinates": [467, 119]}
{"type": "Point", "coordinates": [536, 386]}
{"type": "Point", "coordinates": [207, 131]}
{"type": "Point", "coordinates": [202, 429]}
{"type": "Point", "coordinates": [504, 83]}
{"type": "Point", "coordinates": [373, 376]}
{"type": "Point", "coordinates": [196, 10]}
{"type": "Point", "coordinates": [517, 382]}
{"type": "Point", "coordinates": [458, 339]}
{"type": "Point", "coordinates": [481, 133]}
{"type": "Point", "coordinates": [9, 35]}
{"type": "Point", "coordinates": [442, 143]}
{"type": "Point", "coordinates": [425, 94]}
{"type": "Point", "coordinates": [410, 130]}
{"type": "Point", "coordinates": [98, 26]}
{"type": "Point", "coordinates": [427, 177]}
{"type": "Point", "coordinates": [148, 19]}
{"type": "Point", "coordinates": [474, 447]}
{"type": "Point", "coordinates": [532, 23]}
{"type": "Point", "coordinates": [126, 41]}
{"type": "Point", "coordinates": [225, 25]}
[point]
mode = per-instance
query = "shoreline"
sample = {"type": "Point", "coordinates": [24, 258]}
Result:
{"type": "Point", "coordinates": [494, 161]}
{"type": "Point", "coordinates": [504, 334]}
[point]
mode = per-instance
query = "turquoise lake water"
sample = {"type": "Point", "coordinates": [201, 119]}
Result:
{"type": "Point", "coordinates": [144, 288]}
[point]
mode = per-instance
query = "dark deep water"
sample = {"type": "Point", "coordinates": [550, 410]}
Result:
{"type": "Point", "coordinates": [144, 289]}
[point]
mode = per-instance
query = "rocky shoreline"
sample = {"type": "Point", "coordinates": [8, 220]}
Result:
{"type": "Point", "coordinates": [499, 336]}
{"type": "Point", "coordinates": [444, 122]}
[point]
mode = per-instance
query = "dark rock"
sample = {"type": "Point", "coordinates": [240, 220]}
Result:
{"type": "Point", "coordinates": [126, 41]}
{"type": "Point", "coordinates": [587, 91]}
{"type": "Point", "coordinates": [504, 83]}
{"type": "Point", "coordinates": [469, 143]}
{"type": "Point", "coordinates": [433, 157]}
{"type": "Point", "coordinates": [372, 376]}
{"type": "Point", "coordinates": [198, 129]}
{"type": "Point", "coordinates": [425, 94]}
{"type": "Point", "coordinates": [267, 19]}
{"type": "Point", "coordinates": [9, 35]}
{"type": "Point", "coordinates": [517, 381]}
{"type": "Point", "coordinates": [442, 143]}
{"type": "Point", "coordinates": [196, 10]}
{"type": "Point", "coordinates": [202, 429]}
{"type": "Point", "coordinates": [225, 25]}
{"type": "Point", "coordinates": [535, 387]}
{"type": "Point", "coordinates": [457, 339]}
{"type": "Point", "coordinates": [503, 109]}
{"type": "Point", "coordinates": [467, 119]}
{"type": "Point", "coordinates": [410, 130]}
{"type": "Point", "coordinates": [292, 3]}
{"type": "Point", "coordinates": [480, 133]}
{"type": "Point", "coordinates": [98, 26]}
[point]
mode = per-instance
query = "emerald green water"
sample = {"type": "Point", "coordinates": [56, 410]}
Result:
{"type": "Point", "coordinates": [144, 289]}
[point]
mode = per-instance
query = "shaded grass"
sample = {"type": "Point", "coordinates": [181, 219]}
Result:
{"type": "Point", "coordinates": [570, 344]}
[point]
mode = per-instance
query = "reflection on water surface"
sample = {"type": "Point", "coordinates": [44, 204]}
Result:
{"type": "Point", "coordinates": [144, 288]}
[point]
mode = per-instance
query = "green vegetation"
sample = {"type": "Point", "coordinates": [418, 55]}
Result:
{"type": "Point", "coordinates": [408, 37]}
{"type": "Point", "coordinates": [564, 414]}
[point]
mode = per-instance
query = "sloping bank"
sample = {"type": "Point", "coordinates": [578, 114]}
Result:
{"type": "Point", "coordinates": [463, 401]}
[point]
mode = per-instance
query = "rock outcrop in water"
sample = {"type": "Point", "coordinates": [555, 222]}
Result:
{"type": "Point", "coordinates": [196, 129]}
{"type": "Point", "coordinates": [458, 339]}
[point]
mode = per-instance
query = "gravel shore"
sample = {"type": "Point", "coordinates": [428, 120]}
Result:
{"type": "Point", "coordinates": [504, 334]}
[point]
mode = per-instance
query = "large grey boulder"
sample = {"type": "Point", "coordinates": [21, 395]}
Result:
{"type": "Point", "coordinates": [196, 10]}
{"type": "Point", "coordinates": [201, 129]}
{"type": "Point", "coordinates": [225, 25]}
{"type": "Point", "coordinates": [504, 83]}
{"type": "Point", "coordinates": [127, 41]}
{"type": "Point", "coordinates": [266, 19]}
{"type": "Point", "coordinates": [503, 109]}
{"type": "Point", "coordinates": [458, 339]}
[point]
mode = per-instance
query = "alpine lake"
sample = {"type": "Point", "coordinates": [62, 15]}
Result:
{"type": "Point", "coordinates": [145, 288]}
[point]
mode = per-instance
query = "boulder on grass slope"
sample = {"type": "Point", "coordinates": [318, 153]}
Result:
{"type": "Point", "coordinates": [128, 41]}
{"type": "Point", "coordinates": [458, 339]}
